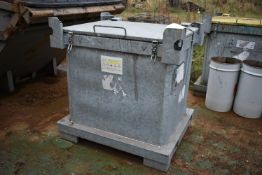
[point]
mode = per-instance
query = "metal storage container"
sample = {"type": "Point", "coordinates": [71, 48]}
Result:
{"type": "Point", "coordinates": [128, 85]}
{"type": "Point", "coordinates": [24, 33]}
{"type": "Point", "coordinates": [230, 37]}
{"type": "Point", "coordinates": [248, 101]}
{"type": "Point", "coordinates": [222, 82]}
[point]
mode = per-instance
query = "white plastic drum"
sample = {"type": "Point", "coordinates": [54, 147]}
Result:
{"type": "Point", "coordinates": [248, 101]}
{"type": "Point", "coordinates": [222, 81]}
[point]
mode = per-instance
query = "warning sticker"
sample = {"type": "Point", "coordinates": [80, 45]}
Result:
{"type": "Point", "coordinates": [242, 56]}
{"type": "Point", "coordinates": [112, 65]}
{"type": "Point", "coordinates": [180, 73]}
{"type": "Point", "coordinates": [182, 94]}
{"type": "Point", "coordinates": [245, 44]}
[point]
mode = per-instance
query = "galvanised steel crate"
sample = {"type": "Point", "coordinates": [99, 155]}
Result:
{"type": "Point", "coordinates": [128, 85]}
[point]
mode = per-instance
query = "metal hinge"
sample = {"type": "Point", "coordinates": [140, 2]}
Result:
{"type": "Point", "coordinates": [70, 42]}
{"type": "Point", "coordinates": [154, 50]}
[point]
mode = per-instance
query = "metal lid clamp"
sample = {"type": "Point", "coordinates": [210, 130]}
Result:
{"type": "Point", "coordinates": [155, 44]}
{"type": "Point", "coordinates": [175, 43]}
{"type": "Point", "coordinates": [177, 40]}
{"type": "Point", "coordinates": [56, 38]}
{"type": "Point", "coordinates": [70, 42]}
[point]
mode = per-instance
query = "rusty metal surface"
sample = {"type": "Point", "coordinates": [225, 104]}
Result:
{"type": "Point", "coordinates": [28, 51]}
{"type": "Point", "coordinates": [9, 6]}
{"type": "Point", "coordinates": [10, 28]}
{"type": "Point", "coordinates": [19, 15]}
{"type": "Point", "coordinates": [36, 13]}
{"type": "Point", "coordinates": [24, 34]}
{"type": "Point", "coordinates": [67, 3]}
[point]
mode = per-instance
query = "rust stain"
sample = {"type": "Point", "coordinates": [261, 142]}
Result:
{"type": "Point", "coordinates": [9, 6]}
{"type": "Point", "coordinates": [38, 13]}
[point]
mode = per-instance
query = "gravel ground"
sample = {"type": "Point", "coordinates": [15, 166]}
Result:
{"type": "Point", "coordinates": [216, 143]}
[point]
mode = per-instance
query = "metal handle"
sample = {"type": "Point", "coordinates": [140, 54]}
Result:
{"type": "Point", "coordinates": [178, 44]}
{"type": "Point", "coordinates": [116, 27]}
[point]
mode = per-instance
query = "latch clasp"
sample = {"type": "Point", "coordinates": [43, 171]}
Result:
{"type": "Point", "coordinates": [155, 44]}
{"type": "Point", "coordinates": [70, 42]}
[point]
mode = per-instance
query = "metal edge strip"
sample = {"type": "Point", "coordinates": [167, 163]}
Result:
{"type": "Point", "coordinates": [224, 70]}
{"type": "Point", "coordinates": [251, 73]}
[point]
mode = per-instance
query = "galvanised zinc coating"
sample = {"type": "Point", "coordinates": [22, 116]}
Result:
{"type": "Point", "coordinates": [128, 85]}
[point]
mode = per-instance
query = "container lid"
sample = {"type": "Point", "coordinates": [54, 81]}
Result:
{"type": "Point", "coordinates": [120, 29]}
{"type": "Point", "coordinates": [252, 67]}
{"type": "Point", "coordinates": [237, 20]}
{"type": "Point", "coordinates": [225, 64]}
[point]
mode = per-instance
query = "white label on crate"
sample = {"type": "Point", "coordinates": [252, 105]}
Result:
{"type": "Point", "coordinates": [180, 73]}
{"type": "Point", "coordinates": [107, 82]}
{"type": "Point", "coordinates": [182, 94]}
{"type": "Point", "coordinates": [242, 56]}
{"type": "Point", "coordinates": [245, 44]}
{"type": "Point", "coordinates": [111, 83]}
{"type": "Point", "coordinates": [112, 65]}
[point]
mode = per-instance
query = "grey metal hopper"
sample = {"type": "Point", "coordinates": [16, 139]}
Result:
{"type": "Point", "coordinates": [24, 33]}
{"type": "Point", "coordinates": [235, 37]}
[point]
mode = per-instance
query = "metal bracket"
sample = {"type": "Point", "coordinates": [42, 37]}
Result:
{"type": "Point", "coordinates": [200, 34]}
{"type": "Point", "coordinates": [56, 39]}
{"type": "Point", "coordinates": [215, 30]}
{"type": "Point", "coordinates": [199, 29]}
{"type": "Point", "coordinates": [207, 21]}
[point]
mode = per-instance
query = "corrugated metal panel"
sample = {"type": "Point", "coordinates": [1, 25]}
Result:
{"type": "Point", "coordinates": [237, 29]}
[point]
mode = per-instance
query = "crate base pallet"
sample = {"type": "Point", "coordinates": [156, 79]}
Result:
{"type": "Point", "coordinates": [158, 157]}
